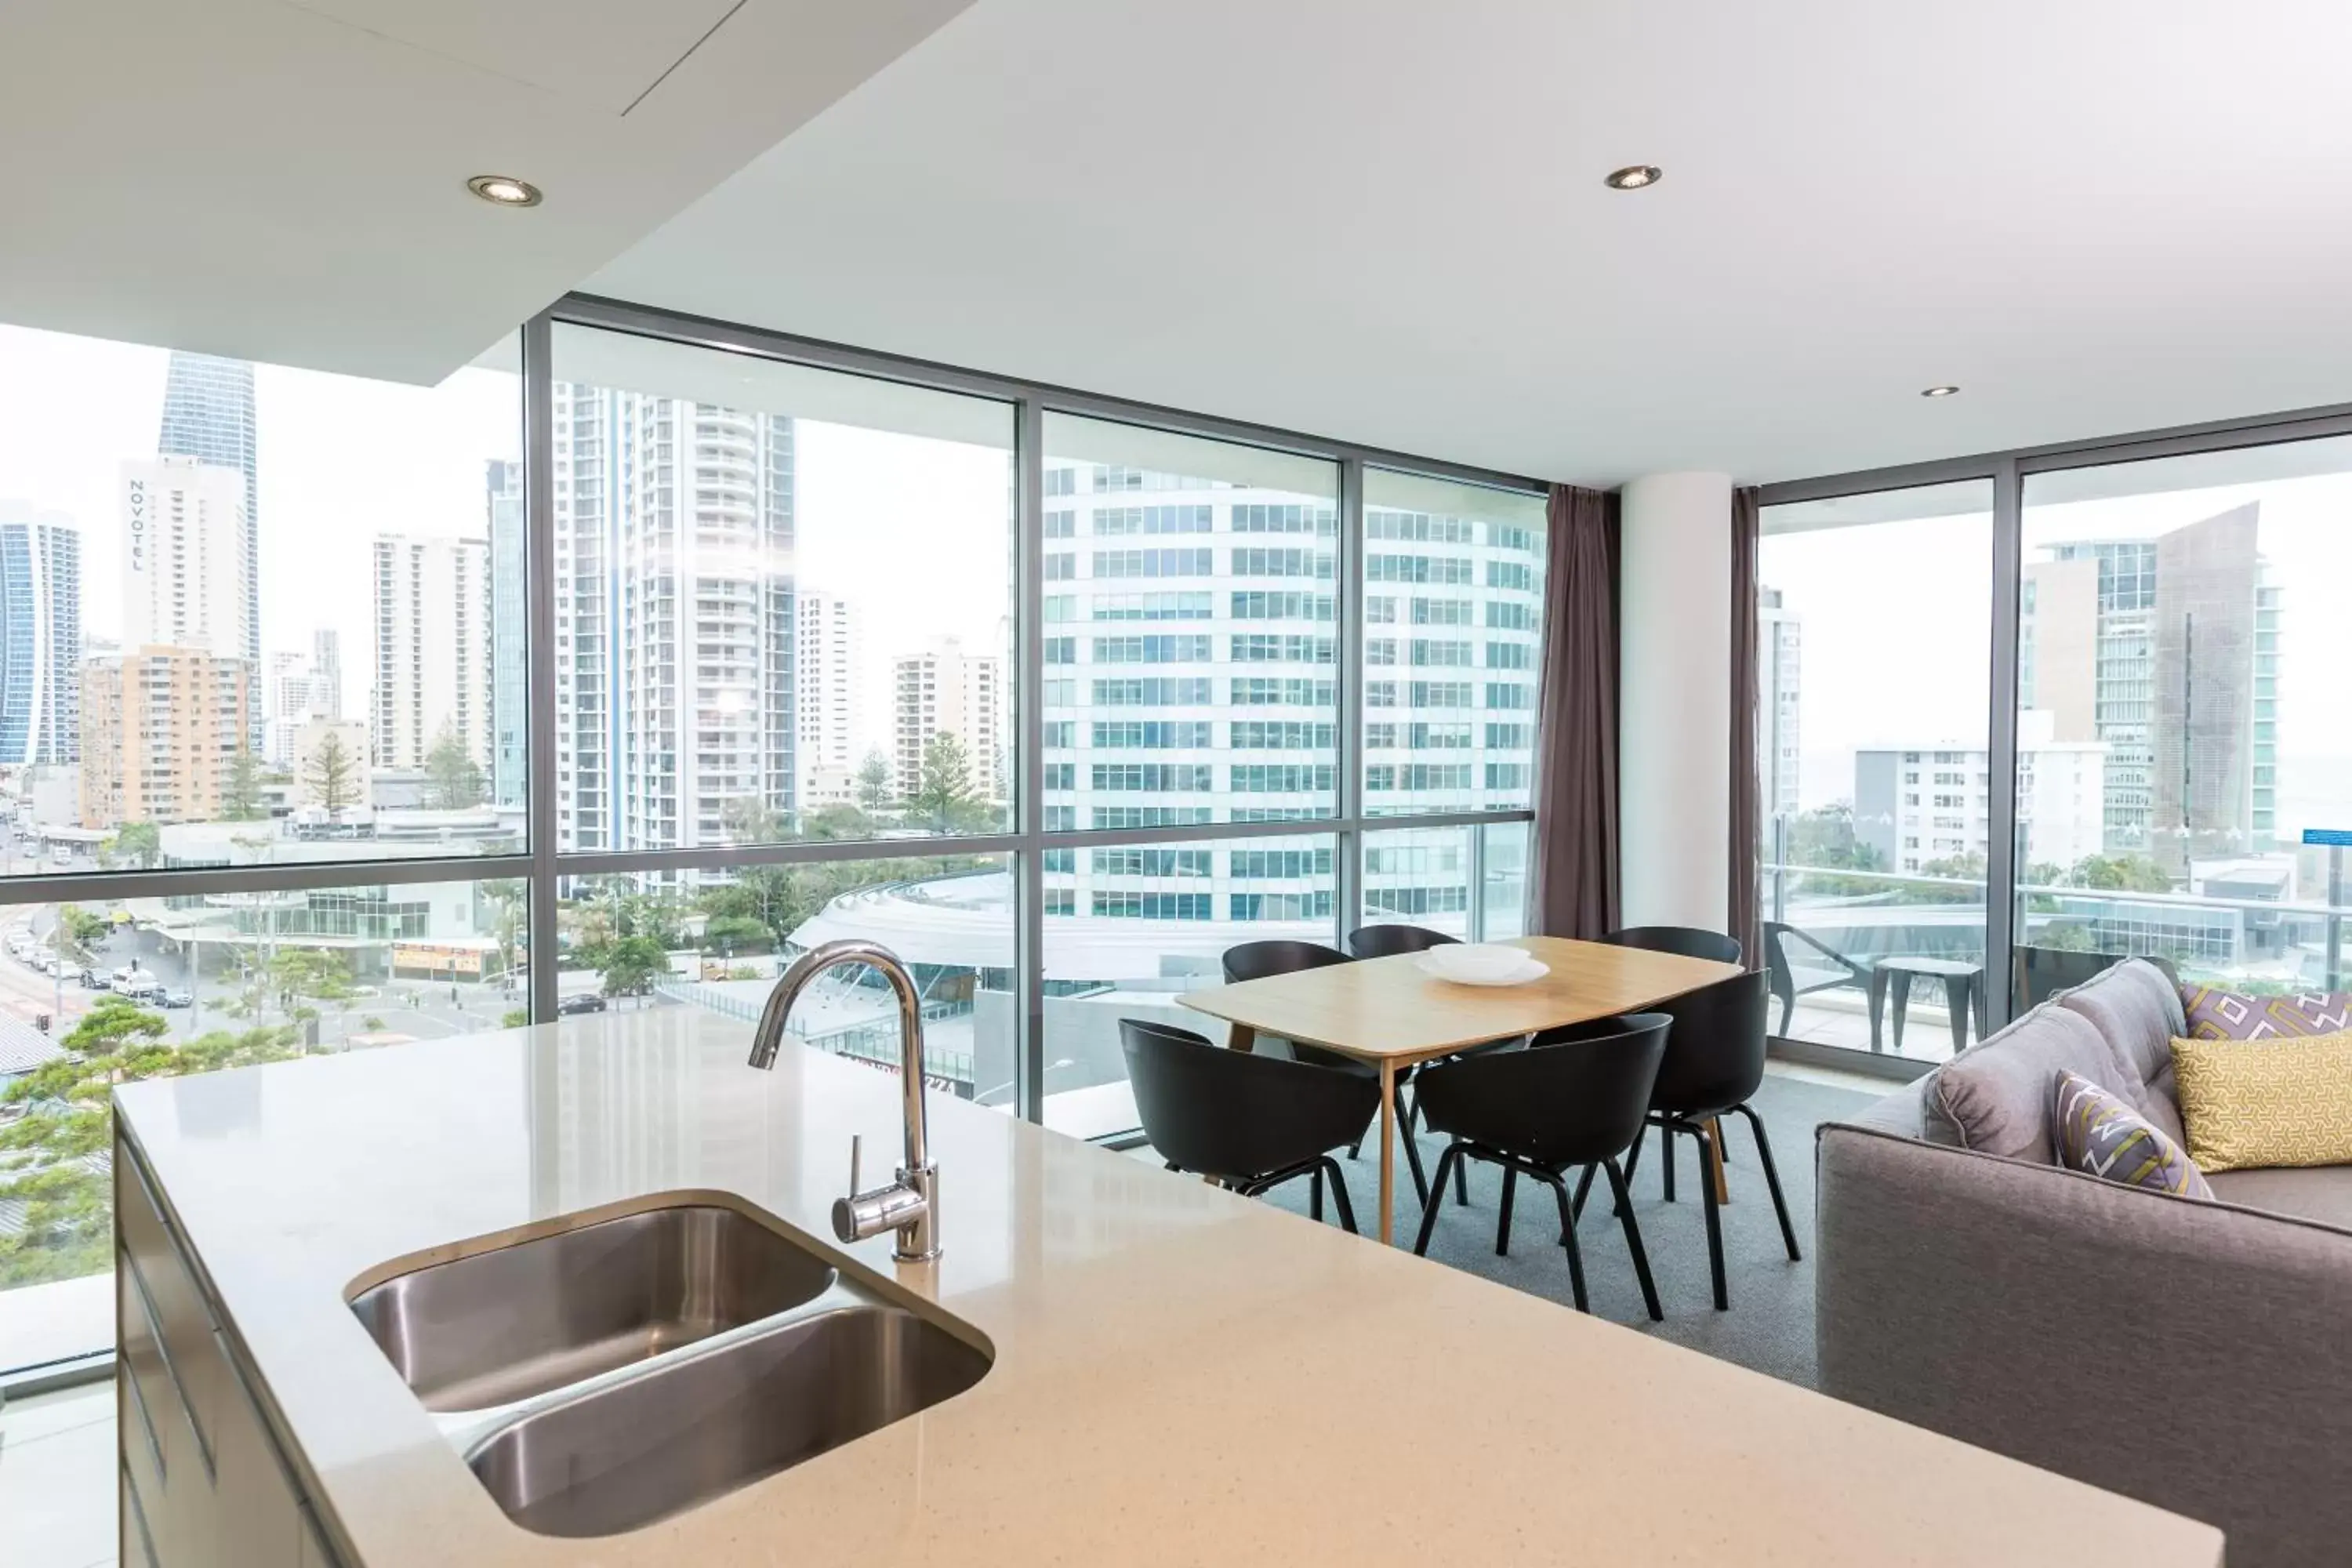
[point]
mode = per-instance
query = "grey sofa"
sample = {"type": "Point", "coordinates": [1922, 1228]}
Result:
{"type": "Point", "coordinates": [2195, 1355]}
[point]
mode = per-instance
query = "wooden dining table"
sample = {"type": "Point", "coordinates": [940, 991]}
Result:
{"type": "Point", "coordinates": [1390, 1013]}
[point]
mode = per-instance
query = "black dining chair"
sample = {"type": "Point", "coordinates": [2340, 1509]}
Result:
{"type": "Point", "coordinates": [1578, 1100]}
{"type": "Point", "coordinates": [1256, 961]}
{"type": "Point", "coordinates": [1689, 941]}
{"type": "Point", "coordinates": [1386, 941]}
{"type": "Point", "coordinates": [1247, 1121]}
{"type": "Point", "coordinates": [1714, 1063]}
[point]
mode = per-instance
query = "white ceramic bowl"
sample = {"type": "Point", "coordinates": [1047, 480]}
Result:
{"type": "Point", "coordinates": [1475, 962]}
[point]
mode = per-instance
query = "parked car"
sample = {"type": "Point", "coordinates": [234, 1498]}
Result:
{"type": "Point", "coordinates": [585, 1002]}
{"type": "Point", "coordinates": [140, 987]}
{"type": "Point", "coordinates": [179, 998]}
{"type": "Point", "coordinates": [87, 979]}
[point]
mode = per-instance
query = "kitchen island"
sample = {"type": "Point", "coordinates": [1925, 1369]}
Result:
{"type": "Point", "coordinates": [1177, 1374]}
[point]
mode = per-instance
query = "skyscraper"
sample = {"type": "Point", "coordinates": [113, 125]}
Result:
{"type": "Point", "coordinates": [431, 650]}
{"type": "Point", "coordinates": [828, 699]}
{"type": "Point", "coordinates": [673, 607]}
{"type": "Point", "coordinates": [1779, 671]}
{"type": "Point", "coordinates": [298, 689]}
{"type": "Point", "coordinates": [510, 634]}
{"type": "Point", "coordinates": [326, 671]}
{"type": "Point", "coordinates": [2166, 651]}
{"type": "Point", "coordinates": [40, 637]}
{"type": "Point", "coordinates": [945, 691]}
{"type": "Point", "coordinates": [187, 562]}
{"type": "Point", "coordinates": [208, 416]}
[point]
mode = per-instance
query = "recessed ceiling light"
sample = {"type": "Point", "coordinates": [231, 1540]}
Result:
{"type": "Point", "coordinates": [504, 190]}
{"type": "Point", "coordinates": [1634, 176]}
{"type": "Point", "coordinates": [1940, 392]}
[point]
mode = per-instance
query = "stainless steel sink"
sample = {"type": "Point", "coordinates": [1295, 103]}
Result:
{"type": "Point", "coordinates": [640, 1449]}
{"type": "Point", "coordinates": [518, 1320]}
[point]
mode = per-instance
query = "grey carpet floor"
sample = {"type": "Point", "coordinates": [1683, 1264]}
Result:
{"type": "Point", "coordinates": [1770, 1325]}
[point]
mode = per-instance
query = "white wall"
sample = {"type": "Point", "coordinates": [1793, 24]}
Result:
{"type": "Point", "coordinates": [1673, 722]}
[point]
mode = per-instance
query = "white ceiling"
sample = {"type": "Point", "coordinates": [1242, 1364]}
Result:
{"type": "Point", "coordinates": [1383, 220]}
{"type": "Point", "coordinates": [285, 179]}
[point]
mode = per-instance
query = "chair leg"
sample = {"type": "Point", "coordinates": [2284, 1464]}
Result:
{"type": "Point", "coordinates": [1771, 1180]}
{"type": "Point", "coordinates": [1413, 1159]}
{"type": "Point", "coordinates": [1788, 1007]}
{"type": "Point", "coordinates": [1714, 1220]}
{"type": "Point", "coordinates": [1620, 1188]}
{"type": "Point", "coordinates": [1462, 1184]}
{"type": "Point", "coordinates": [1173, 1167]}
{"type": "Point", "coordinates": [1503, 1224]}
{"type": "Point", "coordinates": [1446, 1161]}
{"type": "Point", "coordinates": [1567, 1240]}
{"type": "Point", "coordinates": [1583, 1186]}
{"type": "Point", "coordinates": [1314, 1196]}
{"type": "Point", "coordinates": [1339, 1193]}
{"type": "Point", "coordinates": [1666, 1158]}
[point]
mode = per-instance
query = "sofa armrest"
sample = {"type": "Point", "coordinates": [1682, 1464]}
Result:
{"type": "Point", "coordinates": [2185, 1353]}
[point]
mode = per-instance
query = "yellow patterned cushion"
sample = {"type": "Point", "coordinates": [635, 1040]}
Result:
{"type": "Point", "coordinates": [2284, 1101]}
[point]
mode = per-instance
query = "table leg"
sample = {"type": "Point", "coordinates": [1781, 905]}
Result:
{"type": "Point", "coordinates": [1388, 1152]}
{"type": "Point", "coordinates": [1243, 1038]}
{"type": "Point", "coordinates": [1898, 986]}
{"type": "Point", "coordinates": [1715, 1159]}
{"type": "Point", "coordinates": [1956, 990]}
{"type": "Point", "coordinates": [1878, 1009]}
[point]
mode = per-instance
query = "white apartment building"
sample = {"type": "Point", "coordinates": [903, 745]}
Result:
{"type": "Point", "coordinates": [40, 637]}
{"type": "Point", "coordinates": [1780, 679]}
{"type": "Point", "coordinates": [187, 570]}
{"type": "Point", "coordinates": [1191, 677]}
{"type": "Point", "coordinates": [674, 643]}
{"type": "Point", "coordinates": [432, 663]}
{"type": "Point", "coordinates": [296, 689]}
{"type": "Point", "coordinates": [945, 691]}
{"type": "Point", "coordinates": [1919, 804]}
{"type": "Point", "coordinates": [829, 697]}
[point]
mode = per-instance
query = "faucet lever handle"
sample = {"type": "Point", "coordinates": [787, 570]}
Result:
{"type": "Point", "coordinates": [856, 1154]}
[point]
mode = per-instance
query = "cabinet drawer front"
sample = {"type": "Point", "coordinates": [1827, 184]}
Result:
{"type": "Point", "coordinates": [167, 1287]}
{"type": "Point", "coordinates": [152, 1423]}
{"type": "Point", "coordinates": [137, 1542]}
{"type": "Point", "coordinates": [256, 1504]}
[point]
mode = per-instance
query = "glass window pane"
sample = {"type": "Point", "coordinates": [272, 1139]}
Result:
{"type": "Point", "coordinates": [277, 610]}
{"type": "Point", "coordinates": [95, 994]}
{"type": "Point", "coordinates": [1191, 661]}
{"type": "Point", "coordinates": [2182, 719]}
{"type": "Point", "coordinates": [1505, 897]}
{"type": "Point", "coordinates": [1872, 756]}
{"type": "Point", "coordinates": [1452, 585]}
{"type": "Point", "coordinates": [719, 939]}
{"type": "Point", "coordinates": [1419, 875]}
{"type": "Point", "coordinates": [783, 602]}
{"type": "Point", "coordinates": [1128, 930]}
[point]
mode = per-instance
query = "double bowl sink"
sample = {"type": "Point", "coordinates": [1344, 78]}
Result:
{"type": "Point", "coordinates": [610, 1374]}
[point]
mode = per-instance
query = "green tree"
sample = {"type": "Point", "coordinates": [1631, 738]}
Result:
{"type": "Point", "coordinates": [515, 1018]}
{"type": "Point", "coordinates": [839, 822]}
{"type": "Point", "coordinates": [65, 1229]}
{"type": "Point", "coordinates": [241, 790]}
{"type": "Point", "coordinates": [314, 972]}
{"type": "Point", "coordinates": [945, 800]}
{"type": "Point", "coordinates": [735, 933]}
{"type": "Point", "coordinates": [333, 774]}
{"type": "Point", "coordinates": [2120, 874]}
{"type": "Point", "coordinates": [632, 965]}
{"type": "Point", "coordinates": [876, 784]}
{"type": "Point", "coordinates": [452, 780]}
{"type": "Point", "coordinates": [141, 843]}
{"type": "Point", "coordinates": [82, 930]}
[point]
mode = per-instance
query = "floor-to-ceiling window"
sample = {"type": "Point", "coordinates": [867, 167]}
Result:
{"type": "Point", "coordinates": [2180, 667]}
{"type": "Point", "coordinates": [1875, 766]}
{"type": "Point", "coordinates": [263, 769]}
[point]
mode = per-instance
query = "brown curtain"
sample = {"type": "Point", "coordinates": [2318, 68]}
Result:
{"type": "Point", "coordinates": [1746, 822]}
{"type": "Point", "coordinates": [1572, 849]}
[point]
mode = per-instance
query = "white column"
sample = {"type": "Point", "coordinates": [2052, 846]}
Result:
{"type": "Point", "coordinates": [1674, 714]}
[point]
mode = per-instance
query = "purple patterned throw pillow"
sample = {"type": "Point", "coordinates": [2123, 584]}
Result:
{"type": "Point", "coordinates": [2098, 1133]}
{"type": "Point", "coordinates": [2217, 1014]}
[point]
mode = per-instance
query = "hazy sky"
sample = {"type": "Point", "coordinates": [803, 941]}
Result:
{"type": "Point", "coordinates": [1897, 625]}
{"type": "Point", "coordinates": [915, 530]}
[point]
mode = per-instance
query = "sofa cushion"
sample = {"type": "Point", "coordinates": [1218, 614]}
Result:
{"type": "Point", "coordinates": [2099, 1134]}
{"type": "Point", "coordinates": [2210, 1013]}
{"type": "Point", "coordinates": [2137, 1012]}
{"type": "Point", "coordinates": [1996, 1097]}
{"type": "Point", "coordinates": [2267, 1102]}
{"type": "Point", "coordinates": [2320, 1193]}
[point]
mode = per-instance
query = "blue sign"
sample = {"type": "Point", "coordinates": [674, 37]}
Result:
{"type": "Point", "coordinates": [2339, 836]}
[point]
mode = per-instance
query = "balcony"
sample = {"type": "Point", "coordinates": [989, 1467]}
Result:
{"type": "Point", "coordinates": [1865, 918]}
